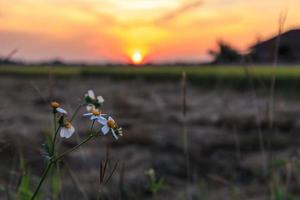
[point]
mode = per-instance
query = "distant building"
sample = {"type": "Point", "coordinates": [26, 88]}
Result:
{"type": "Point", "coordinates": [288, 51]}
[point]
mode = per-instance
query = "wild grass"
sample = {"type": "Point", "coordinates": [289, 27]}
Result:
{"type": "Point", "coordinates": [287, 77]}
{"type": "Point", "coordinates": [279, 188]}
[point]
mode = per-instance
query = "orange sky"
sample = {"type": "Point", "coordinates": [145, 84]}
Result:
{"type": "Point", "coordinates": [112, 30]}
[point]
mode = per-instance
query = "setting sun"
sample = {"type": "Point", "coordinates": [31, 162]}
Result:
{"type": "Point", "coordinates": [155, 31]}
{"type": "Point", "coordinates": [137, 58]}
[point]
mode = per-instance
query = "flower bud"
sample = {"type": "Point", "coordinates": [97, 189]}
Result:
{"type": "Point", "coordinates": [96, 112]}
{"type": "Point", "coordinates": [54, 104]}
{"type": "Point", "coordinates": [111, 124]}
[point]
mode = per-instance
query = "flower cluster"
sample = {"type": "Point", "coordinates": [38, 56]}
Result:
{"type": "Point", "coordinates": [93, 102]}
{"type": "Point", "coordinates": [93, 106]}
{"type": "Point", "coordinates": [67, 129]}
{"type": "Point", "coordinates": [106, 122]}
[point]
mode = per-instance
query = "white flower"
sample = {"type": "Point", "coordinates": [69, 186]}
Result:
{"type": "Point", "coordinates": [91, 94]}
{"type": "Point", "coordinates": [90, 107]}
{"type": "Point", "coordinates": [62, 111]}
{"type": "Point", "coordinates": [92, 101]}
{"type": "Point", "coordinates": [100, 99]}
{"type": "Point", "coordinates": [108, 125]}
{"type": "Point", "coordinates": [94, 114]}
{"type": "Point", "coordinates": [55, 105]}
{"type": "Point", "coordinates": [67, 130]}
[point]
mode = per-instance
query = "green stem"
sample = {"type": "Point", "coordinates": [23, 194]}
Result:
{"type": "Point", "coordinates": [54, 161]}
{"type": "Point", "coordinates": [92, 126]}
{"type": "Point", "coordinates": [54, 140]}
{"type": "Point", "coordinates": [78, 145]}
{"type": "Point", "coordinates": [54, 121]}
{"type": "Point", "coordinates": [53, 153]}
{"type": "Point", "coordinates": [73, 149]}
{"type": "Point", "coordinates": [42, 180]}
{"type": "Point", "coordinates": [76, 111]}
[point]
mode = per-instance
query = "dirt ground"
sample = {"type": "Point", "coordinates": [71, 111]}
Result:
{"type": "Point", "coordinates": [230, 144]}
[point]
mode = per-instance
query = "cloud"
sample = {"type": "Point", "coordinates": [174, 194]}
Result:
{"type": "Point", "coordinates": [90, 10]}
{"type": "Point", "coordinates": [184, 8]}
{"type": "Point", "coordinates": [102, 18]}
{"type": "Point", "coordinates": [167, 16]}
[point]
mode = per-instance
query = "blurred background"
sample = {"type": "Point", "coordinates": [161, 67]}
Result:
{"type": "Point", "coordinates": [206, 93]}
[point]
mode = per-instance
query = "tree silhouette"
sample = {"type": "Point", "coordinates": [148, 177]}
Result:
{"type": "Point", "coordinates": [225, 54]}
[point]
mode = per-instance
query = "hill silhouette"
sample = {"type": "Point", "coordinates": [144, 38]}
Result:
{"type": "Point", "coordinates": [288, 51]}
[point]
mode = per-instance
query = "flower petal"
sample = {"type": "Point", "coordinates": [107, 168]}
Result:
{"type": "Point", "coordinates": [91, 94]}
{"type": "Point", "coordinates": [62, 132]}
{"type": "Point", "coordinates": [102, 121]}
{"type": "Point", "coordinates": [87, 114]}
{"type": "Point", "coordinates": [100, 99]}
{"type": "Point", "coordinates": [93, 117]}
{"type": "Point", "coordinates": [70, 132]}
{"type": "Point", "coordinates": [105, 130]}
{"type": "Point", "coordinates": [62, 111]}
{"type": "Point", "coordinates": [114, 134]}
{"type": "Point", "coordinates": [90, 107]}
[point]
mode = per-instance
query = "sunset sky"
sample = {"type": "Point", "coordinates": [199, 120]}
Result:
{"type": "Point", "coordinates": [114, 30]}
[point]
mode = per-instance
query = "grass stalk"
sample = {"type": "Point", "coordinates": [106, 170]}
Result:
{"type": "Point", "coordinates": [54, 141]}
{"type": "Point", "coordinates": [75, 112]}
{"type": "Point", "coordinates": [54, 160]}
{"type": "Point", "coordinates": [184, 130]}
{"type": "Point", "coordinates": [73, 149]}
{"type": "Point", "coordinates": [281, 22]}
{"type": "Point", "coordinates": [49, 165]}
{"type": "Point", "coordinates": [264, 161]}
{"type": "Point", "coordinates": [51, 82]}
{"type": "Point", "coordinates": [76, 181]}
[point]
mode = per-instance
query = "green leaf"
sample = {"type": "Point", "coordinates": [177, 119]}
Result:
{"type": "Point", "coordinates": [88, 99]}
{"type": "Point", "coordinates": [55, 184]}
{"type": "Point", "coordinates": [22, 163]}
{"type": "Point", "coordinates": [24, 191]}
{"type": "Point", "coordinates": [276, 163]}
{"type": "Point", "coordinates": [2, 188]}
{"type": "Point", "coordinates": [297, 165]}
{"type": "Point", "coordinates": [156, 186]}
{"type": "Point", "coordinates": [46, 152]}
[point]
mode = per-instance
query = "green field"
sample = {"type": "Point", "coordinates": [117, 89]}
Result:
{"type": "Point", "coordinates": [233, 76]}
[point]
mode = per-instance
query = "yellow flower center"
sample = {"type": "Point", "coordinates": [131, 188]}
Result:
{"type": "Point", "coordinates": [111, 124]}
{"type": "Point", "coordinates": [54, 104]}
{"type": "Point", "coordinates": [96, 112]}
{"type": "Point", "coordinates": [67, 125]}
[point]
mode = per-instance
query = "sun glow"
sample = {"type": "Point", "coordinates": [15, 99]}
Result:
{"type": "Point", "coordinates": [137, 58]}
{"type": "Point", "coordinates": [146, 31]}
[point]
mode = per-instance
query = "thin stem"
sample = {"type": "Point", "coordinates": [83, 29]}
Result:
{"type": "Point", "coordinates": [184, 127]}
{"type": "Point", "coordinates": [53, 153]}
{"type": "Point", "coordinates": [74, 148]}
{"type": "Point", "coordinates": [42, 180]}
{"type": "Point", "coordinates": [54, 121]}
{"type": "Point", "coordinates": [281, 22]}
{"type": "Point", "coordinates": [91, 130]}
{"type": "Point", "coordinates": [52, 161]}
{"type": "Point", "coordinates": [76, 111]}
{"type": "Point", "coordinates": [75, 180]}
{"type": "Point", "coordinates": [54, 140]}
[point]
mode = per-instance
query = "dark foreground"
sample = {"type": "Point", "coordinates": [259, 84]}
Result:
{"type": "Point", "coordinates": [233, 152]}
